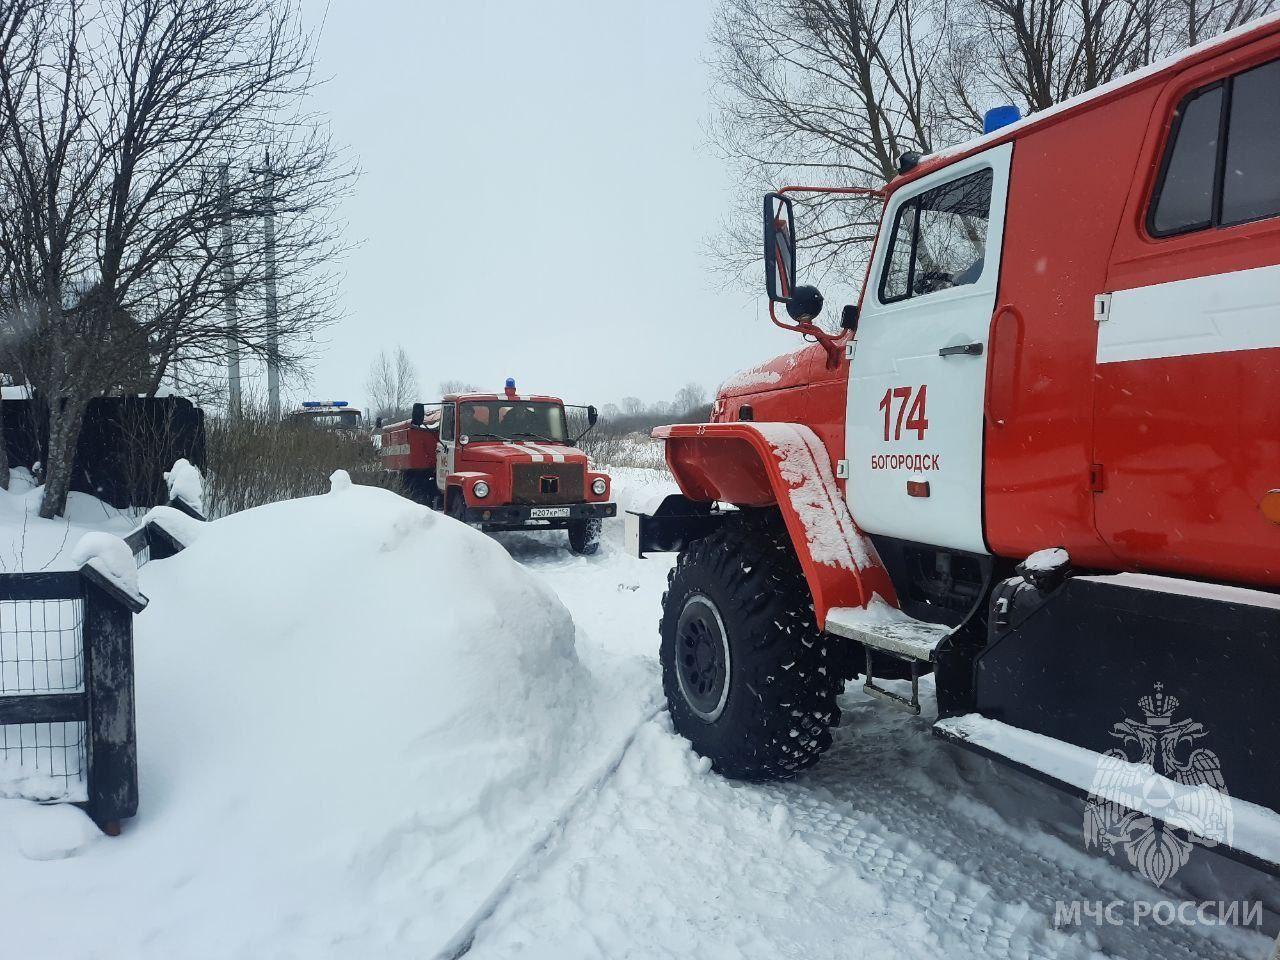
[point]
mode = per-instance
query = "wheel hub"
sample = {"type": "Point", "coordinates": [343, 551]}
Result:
{"type": "Point", "coordinates": [702, 658]}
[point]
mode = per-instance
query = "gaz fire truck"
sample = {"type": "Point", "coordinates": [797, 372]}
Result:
{"type": "Point", "coordinates": [328, 415]}
{"type": "Point", "coordinates": [1040, 460]}
{"type": "Point", "coordinates": [501, 461]}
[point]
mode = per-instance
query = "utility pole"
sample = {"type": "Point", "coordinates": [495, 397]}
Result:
{"type": "Point", "coordinates": [273, 314]}
{"type": "Point", "coordinates": [229, 304]}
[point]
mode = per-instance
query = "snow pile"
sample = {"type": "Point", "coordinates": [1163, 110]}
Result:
{"type": "Point", "coordinates": [175, 523]}
{"type": "Point", "coordinates": [355, 716]}
{"type": "Point", "coordinates": [186, 484]}
{"type": "Point", "coordinates": [30, 543]}
{"type": "Point", "coordinates": [111, 557]}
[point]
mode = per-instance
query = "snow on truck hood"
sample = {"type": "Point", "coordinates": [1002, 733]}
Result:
{"type": "Point", "coordinates": [353, 714]}
{"type": "Point", "coordinates": [787, 370]}
{"type": "Point", "coordinates": [522, 452]}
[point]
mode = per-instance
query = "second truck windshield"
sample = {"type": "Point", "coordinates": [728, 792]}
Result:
{"type": "Point", "coordinates": [504, 420]}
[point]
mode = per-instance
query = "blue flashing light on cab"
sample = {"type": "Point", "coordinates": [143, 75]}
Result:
{"type": "Point", "coordinates": [998, 117]}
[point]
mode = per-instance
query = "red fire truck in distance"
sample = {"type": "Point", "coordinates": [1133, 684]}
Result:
{"type": "Point", "coordinates": [1041, 461]}
{"type": "Point", "coordinates": [501, 461]}
{"type": "Point", "coordinates": [328, 415]}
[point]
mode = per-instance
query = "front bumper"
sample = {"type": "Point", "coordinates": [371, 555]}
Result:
{"type": "Point", "coordinates": [525, 516]}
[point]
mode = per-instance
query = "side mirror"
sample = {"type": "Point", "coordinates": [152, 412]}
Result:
{"type": "Point", "coordinates": [377, 424]}
{"type": "Point", "coordinates": [419, 414]}
{"type": "Point", "coordinates": [593, 415]}
{"type": "Point", "coordinates": [779, 247]}
{"type": "Point", "coordinates": [849, 317]}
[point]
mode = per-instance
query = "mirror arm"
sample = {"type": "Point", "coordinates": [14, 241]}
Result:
{"type": "Point", "coordinates": [855, 191]}
{"type": "Point", "coordinates": [832, 345]}
{"type": "Point", "coordinates": [578, 438]}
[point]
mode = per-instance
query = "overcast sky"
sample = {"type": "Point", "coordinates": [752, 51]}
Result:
{"type": "Point", "coordinates": [536, 198]}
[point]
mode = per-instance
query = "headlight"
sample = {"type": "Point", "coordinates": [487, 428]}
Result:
{"type": "Point", "coordinates": [599, 486]}
{"type": "Point", "coordinates": [480, 490]}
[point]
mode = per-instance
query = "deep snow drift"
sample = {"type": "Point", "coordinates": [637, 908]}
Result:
{"type": "Point", "coordinates": [355, 716]}
{"type": "Point", "coordinates": [28, 542]}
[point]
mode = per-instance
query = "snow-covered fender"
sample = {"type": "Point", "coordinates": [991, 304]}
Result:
{"type": "Point", "coordinates": [762, 464]}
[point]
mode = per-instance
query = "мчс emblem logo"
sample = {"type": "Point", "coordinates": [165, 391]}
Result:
{"type": "Point", "coordinates": [1158, 796]}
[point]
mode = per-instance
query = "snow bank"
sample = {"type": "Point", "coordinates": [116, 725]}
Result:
{"type": "Point", "coordinates": [29, 543]}
{"type": "Point", "coordinates": [354, 716]}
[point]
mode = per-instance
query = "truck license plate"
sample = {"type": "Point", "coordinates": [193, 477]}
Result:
{"type": "Point", "coordinates": [547, 513]}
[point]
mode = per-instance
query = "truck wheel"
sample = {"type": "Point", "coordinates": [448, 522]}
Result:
{"type": "Point", "coordinates": [584, 537]}
{"type": "Point", "coordinates": [457, 505]}
{"type": "Point", "coordinates": [749, 679]}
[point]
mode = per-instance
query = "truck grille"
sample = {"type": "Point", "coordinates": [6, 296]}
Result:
{"type": "Point", "coordinates": [547, 483]}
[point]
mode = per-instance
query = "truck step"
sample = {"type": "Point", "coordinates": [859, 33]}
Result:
{"type": "Point", "coordinates": [1253, 832]}
{"type": "Point", "coordinates": [885, 628]}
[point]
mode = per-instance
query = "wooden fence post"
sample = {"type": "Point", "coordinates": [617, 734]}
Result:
{"type": "Point", "coordinates": [111, 732]}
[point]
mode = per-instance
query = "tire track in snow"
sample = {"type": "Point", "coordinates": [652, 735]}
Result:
{"type": "Point", "coordinates": [968, 873]}
{"type": "Point", "coordinates": [971, 879]}
{"type": "Point", "coordinates": [459, 945]}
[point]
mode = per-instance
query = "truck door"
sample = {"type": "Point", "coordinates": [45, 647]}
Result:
{"type": "Point", "coordinates": [918, 377]}
{"type": "Point", "coordinates": [445, 455]}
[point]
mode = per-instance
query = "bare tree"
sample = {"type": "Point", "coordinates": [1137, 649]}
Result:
{"type": "Point", "coordinates": [830, 92]}
{"type": "Point", "coordinates": [689, 397]}
{"type": "Point", "coordinates": [631, 406]}
{"type": "Point", "coordinates": [457, 386]}
{"type": "Point", "coordinates": [392, 385]}
{"type": "Point", "coordinates": [833, 92]}
{"type": "Point", "coordinates": [116, 119]}
{"type": "Point", "coordinates": [1203, 19]}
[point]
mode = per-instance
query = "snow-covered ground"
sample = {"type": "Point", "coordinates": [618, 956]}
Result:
{"type": "Point", "coordinates": [349, 748]}
{"type": "Point", "coordinates": [29, 543]}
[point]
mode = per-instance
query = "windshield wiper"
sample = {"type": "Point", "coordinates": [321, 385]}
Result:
{"type": "Point", "coordinates": [537, 436]}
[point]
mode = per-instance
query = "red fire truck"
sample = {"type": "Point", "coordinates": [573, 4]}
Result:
{"type": "Point", "coordinates": [501, 461]}
{"type": "Point", "coordinates": [1041, 460]}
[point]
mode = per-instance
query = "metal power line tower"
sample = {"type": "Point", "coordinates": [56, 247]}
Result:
{"type": "Point", "coordinates": [265, 207]}
{"type": "Point", "coordinates": [229, 298]}
{"type": "Point", "coordinates": [273, 309]}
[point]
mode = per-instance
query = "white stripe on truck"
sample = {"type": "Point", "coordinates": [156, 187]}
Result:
{"type": "Point", "coordinates": [1219, 313]}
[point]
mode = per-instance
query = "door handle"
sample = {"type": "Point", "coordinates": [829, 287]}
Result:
{"type": "Point", "coordinates": [962, 350]}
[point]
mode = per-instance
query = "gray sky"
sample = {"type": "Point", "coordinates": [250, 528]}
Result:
{"type": "Point", "coordinates": [536, 198]}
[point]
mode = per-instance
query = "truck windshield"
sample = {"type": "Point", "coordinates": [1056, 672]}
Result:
{"type": "Point", "coordinates": [508, 420]}
{"type": "Point", "coordinates": [338, 420]}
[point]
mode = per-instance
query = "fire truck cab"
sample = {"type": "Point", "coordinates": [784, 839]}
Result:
{"type": "Point", "coordinates": [328, 415]}
{"type": "Point", "coordinates": [1040, 460]}
{"type": "Point", "coordinates": [501, 461]}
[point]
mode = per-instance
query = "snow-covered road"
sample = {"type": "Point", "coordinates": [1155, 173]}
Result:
{"type": "Point", "coordinates": [503, 780]}
{"type": "Point", "coordinates": [896, 845]}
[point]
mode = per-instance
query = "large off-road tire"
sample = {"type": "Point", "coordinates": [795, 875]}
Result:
{"type": "Point", "coordinates": [584, 537]}
{"type": "Point", "coordinates": [749, 679]}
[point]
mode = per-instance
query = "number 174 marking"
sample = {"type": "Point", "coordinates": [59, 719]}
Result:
{"type": "Point", "coordinates": [915, 414]}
